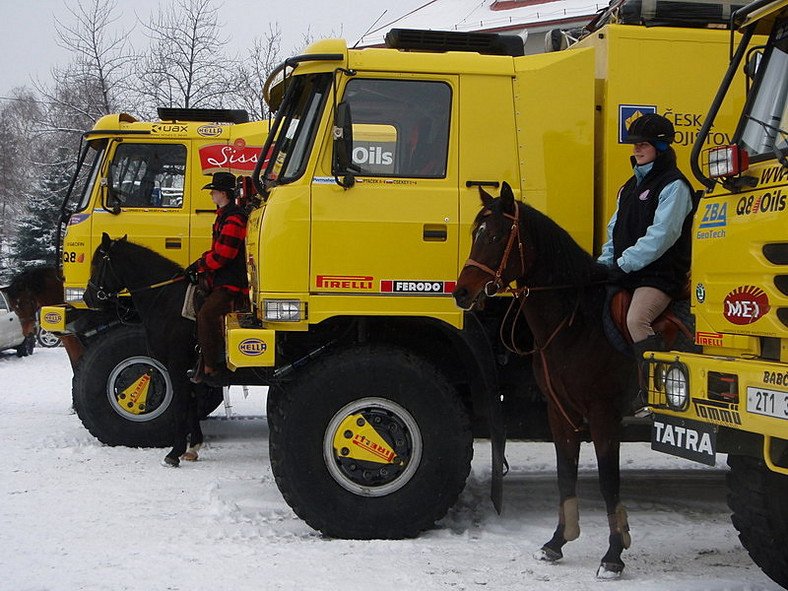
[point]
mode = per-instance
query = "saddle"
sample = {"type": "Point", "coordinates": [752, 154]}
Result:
{"type": "Point", "coordinates": [675, 322]}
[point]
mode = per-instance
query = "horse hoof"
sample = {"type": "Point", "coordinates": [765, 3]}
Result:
{"type": "Point", "coordinates": [609, 571]}
{"type": "Point", "coordinates": [547, 554]}
{"type": "Point", "coordinates": [190, 456]}
{"type": "Point", "coordinates": [169, 462]}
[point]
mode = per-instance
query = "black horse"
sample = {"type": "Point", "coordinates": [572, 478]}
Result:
{"type": "Point", "coordinates": [561, 293]}
{"type": "Point", "coordinates": [157, 290]}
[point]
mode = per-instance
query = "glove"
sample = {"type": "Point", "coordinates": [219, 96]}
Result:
{"type": "Point", "coordinates": [191, 273]}
{"type": "Point", "coordinates": [615, 275]}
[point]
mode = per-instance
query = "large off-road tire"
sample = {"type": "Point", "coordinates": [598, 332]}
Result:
{"type": "Point", "coordinates": [112, 363]}
{"type": "Point", "coordinates": [369, 442]}
{"type": "Point", "coordinates": [757, 496]}
{"type": "Point", "coordinates": [104, 391]}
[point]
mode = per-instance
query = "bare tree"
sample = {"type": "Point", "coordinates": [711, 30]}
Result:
{"type": "Point", "coordinates": [94, 83]}
{"type": "Point", "coordinates": [185, 65]}
{"type": "Point", "coordinates": [254, 70]}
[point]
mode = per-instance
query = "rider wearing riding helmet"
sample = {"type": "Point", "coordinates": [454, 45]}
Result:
{"type": "Point", "coordinates": [648, 237]}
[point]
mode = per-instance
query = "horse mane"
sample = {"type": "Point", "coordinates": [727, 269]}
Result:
{"type": "Point", "coordinates": [144, 256]}
{"type": "Point", "coordinates": [33, 278]}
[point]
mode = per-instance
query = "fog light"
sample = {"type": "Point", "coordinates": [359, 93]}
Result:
{"type": "Point", "coordinates": [74, 294]}
{"type": "Point", "coordinates": [677, 387]}
{"type": "Point", "coordinates": [283, 311]}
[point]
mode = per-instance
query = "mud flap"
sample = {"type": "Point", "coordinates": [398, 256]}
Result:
{"type": "Point", "coordinates": [489, 401]}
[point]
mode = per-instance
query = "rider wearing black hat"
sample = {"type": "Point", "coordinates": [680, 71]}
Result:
{"type": "Point", "coordinates": [648, 237]}
{"type": "Point", "coordinates": [221, 271]}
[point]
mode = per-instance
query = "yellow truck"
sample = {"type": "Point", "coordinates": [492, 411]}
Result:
{"type": "Point", "coordinates": [733, 397]}
{"type": "Point", "coordinates": [368, 189]}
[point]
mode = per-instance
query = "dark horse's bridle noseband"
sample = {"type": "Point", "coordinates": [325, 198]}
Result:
{"type": "Point", "coordinates": [514, 234]}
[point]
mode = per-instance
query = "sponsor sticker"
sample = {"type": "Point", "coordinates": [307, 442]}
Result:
{"type": "Point", "coordinates": [684, 438]}
{"type": "Point", "coordinates": [419, 287]}
{"type": "Point", "coordinates": [345, 282]}
{"type": "Point", "coordinates": [252, 347]}
{"type": "Point", "coordinates": [221, 157]}
{"type": "Point", "coordinates": [745, 305]}
{"type": "Point", "coordinates": [210, 130]}
{"type": "Point", "coordinates": [77, 218]}
{"type": "Point", "coordinates": [53, 317]}
{"type": "Point", "coordinates": [709, 339]}
{"type": "Point", "coordinates": [700, 293]}
{"type": "Point", "coordinates": [169, 128]}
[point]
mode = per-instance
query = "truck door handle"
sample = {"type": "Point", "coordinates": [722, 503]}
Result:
{"type": "Point", "coordinates": [172, 243]}
{"type": "Point", "coordinates": [435, 233]}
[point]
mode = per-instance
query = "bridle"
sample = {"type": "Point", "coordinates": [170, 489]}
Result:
{"type": "Point", "coordinates": [514, 234]}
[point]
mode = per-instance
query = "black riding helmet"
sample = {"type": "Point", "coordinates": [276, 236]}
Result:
{"type": "Point", "coordinates": [650, 128]}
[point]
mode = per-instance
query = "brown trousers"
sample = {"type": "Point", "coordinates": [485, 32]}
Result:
{"type": "Point", "coordinates": [647, 304]}
{"type": "Point", "coordinates": [210, 323]}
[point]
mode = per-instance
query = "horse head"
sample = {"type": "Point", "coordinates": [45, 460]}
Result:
{"type": "Point", "coordinates": [31, 289]}
{"type": "Point", "coordinates": [497, 255]}
{"type": "Point", "coordinates": [104, 283]}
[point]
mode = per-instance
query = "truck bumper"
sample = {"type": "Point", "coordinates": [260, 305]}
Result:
{"type": "Point", "coordinates": [702, 394]}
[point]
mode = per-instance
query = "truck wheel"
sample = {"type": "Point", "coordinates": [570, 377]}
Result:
{"type": "Point", "coordinates": [369, 442]}
{"type": "Point", "coordinates": [122, 395]}
{"type": "Point", "coordinates": [756, 495]}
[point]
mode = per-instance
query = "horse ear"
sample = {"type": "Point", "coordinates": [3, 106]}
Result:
{"type": "Point", "coordinates": [105, 241]}
{"type": "Point", "coordinates": [125, 238]}
{"type": "Point", "coordinates": [507, 197]}
{"type": "Point", "coordinates": [486, 198]}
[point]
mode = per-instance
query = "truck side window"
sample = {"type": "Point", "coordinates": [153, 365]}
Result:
{"type": "Point", "coordinates": [149, 175]}
{"type": "Point", "coordinates": [3, 305]}
{"type": "Point", "coordinates": [400, 127]}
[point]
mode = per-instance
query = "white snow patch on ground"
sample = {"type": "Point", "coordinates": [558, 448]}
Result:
{"type": "Point", "coordinates": [76, 514]}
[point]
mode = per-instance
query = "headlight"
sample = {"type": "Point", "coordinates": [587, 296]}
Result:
{"type": "Point", "coordinates": [727, 161]}
{"type": "Point", "coordinates": [74, 294]}
{"type": "Point", "coordinates": [677, 387]}
{"type": "Point", "coordinates": [284, 310]}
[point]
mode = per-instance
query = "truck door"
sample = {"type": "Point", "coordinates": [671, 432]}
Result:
{"type": "Point", "coordinates": [395, 230]}
{"type": "Point", "coordinates": [146, 198]}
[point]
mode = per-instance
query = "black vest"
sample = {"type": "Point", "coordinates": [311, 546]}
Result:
{"type": "Point", "coordinates": [636, 208]}
{"type": "Point", "coordinates": [233, 273]}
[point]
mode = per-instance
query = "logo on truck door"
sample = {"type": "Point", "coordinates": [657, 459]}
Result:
{"type": "Point", "coordinates": [627, 114]}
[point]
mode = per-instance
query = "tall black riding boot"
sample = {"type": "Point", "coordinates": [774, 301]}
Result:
{"type": "Point", "coordinates": [652, 342]}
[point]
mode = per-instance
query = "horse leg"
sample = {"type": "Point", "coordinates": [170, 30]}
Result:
{"type": "Point", "coordinates": [605, 433]}
{"type": "Point", "coordinates": [195, 432]}
{"type": "Point", "coordinates": [567, 451]}
{"type": "Point", "coordinates": [180, 401]}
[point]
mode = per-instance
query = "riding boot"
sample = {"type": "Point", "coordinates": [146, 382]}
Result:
{"type": "Point", "coordinates": [652, 342]}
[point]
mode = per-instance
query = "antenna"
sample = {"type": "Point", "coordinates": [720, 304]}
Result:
{"type": "Point", "coordinates": [382, 14]}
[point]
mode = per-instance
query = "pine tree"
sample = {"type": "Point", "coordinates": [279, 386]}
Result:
{"type": "Point", "coordinates": [34, 244]}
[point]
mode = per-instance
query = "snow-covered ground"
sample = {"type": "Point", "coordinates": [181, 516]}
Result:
{"type": "Point", "coordinates": [76, 514]}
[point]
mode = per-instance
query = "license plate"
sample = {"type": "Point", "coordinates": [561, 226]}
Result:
{"type": "Point", "coordinates": [684, 438]}
{"type": "Point", "coordinates": [770, 403]}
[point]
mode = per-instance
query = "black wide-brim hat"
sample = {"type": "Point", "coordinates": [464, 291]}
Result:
{"type": "Point", "coordinates": [222, 181]}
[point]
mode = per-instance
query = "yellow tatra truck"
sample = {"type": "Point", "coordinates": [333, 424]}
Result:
{"type": "Point", "coordinates": [733, 397]}
{"type": "Point", "coordinates": [368, 189]}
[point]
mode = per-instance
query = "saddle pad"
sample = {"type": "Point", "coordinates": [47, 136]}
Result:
{"type": "Point", "coordinates": [189, 311]}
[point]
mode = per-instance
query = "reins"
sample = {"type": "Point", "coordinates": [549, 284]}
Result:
{"type": "Point", "coordinates": [521, 294]}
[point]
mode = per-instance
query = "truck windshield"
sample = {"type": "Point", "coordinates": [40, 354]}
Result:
{"type": "Point", "coordinates": [86, 177]}
{"type": "Point", "coordinates": [299, 114]}
{"type": "Point", "coordinates": [765, 123]}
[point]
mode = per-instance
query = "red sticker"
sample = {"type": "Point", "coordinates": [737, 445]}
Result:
{"type": "Point", "coordinates": [745, 305]}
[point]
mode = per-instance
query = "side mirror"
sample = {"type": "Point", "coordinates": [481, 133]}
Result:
{"type": "Point", "coordinates": [110, 198]}
{"type": "Point", "coordinates": [343, 147]}
{"type": "Point", "coordinates": [753, 61]}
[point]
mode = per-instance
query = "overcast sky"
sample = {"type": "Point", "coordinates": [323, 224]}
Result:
{"type": "Point", "coordinates": [28, 47]}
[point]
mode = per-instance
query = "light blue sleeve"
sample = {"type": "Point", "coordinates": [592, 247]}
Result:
{"type": "Point", "coordinates": [675, 202]}
{"type": "Point", "coordinates": [606, 258]}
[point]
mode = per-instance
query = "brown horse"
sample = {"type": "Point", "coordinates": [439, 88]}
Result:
{"type": "Point", "coordinates": [36, 287]}
{"type": "Point", "coordinates": [560, 293]}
